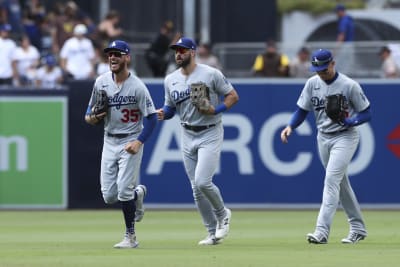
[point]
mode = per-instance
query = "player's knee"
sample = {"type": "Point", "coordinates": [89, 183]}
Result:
{"type": "Point", "coordinates": [110, 199]}
{"type": "Point", "coordinates": [125, 196]}
{"type": "Point", "coordinates": [203, 185]}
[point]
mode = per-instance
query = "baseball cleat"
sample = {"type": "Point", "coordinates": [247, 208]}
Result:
{"type": "Point", "coordinates": [316, 238]}
{"type": "Point", "coordinates": [141, 192]}
{"type": "Point", "coordinates": [210, 240]}
{"type": "Point", "coordinates": [353, 238]}
{"type": "Point", "coordinates": [223, 225]}
{"type": "Point", "coordinates": [129, 241]}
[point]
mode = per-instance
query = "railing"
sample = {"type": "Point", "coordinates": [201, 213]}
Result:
{"type": "Point", "coordinates": [237, 58]}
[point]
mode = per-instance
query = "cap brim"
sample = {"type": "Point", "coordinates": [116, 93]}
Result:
{"type": "Point", "coordinates": [175, 46]}
{"type": "Point", "coordinates": [319, 68]}
{"type": "Point", "coordinates": [108, 49]}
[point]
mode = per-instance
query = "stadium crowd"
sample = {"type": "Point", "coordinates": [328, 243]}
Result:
{"type": "Point", "coordinates": [43, 46]}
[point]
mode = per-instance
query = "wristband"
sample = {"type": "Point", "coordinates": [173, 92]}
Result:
{"type": "Point", "coordinates": [220, 108]}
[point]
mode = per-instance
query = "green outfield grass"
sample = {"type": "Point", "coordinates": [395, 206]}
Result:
{"type": "Point", "coordinates": [169, 238]}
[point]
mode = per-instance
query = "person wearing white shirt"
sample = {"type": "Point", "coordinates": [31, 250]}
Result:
{"type": "Point", "coordinates": [78, 55]}
{"type": "Point", "coordinates": [49, 76]}
{"type": "Point", "coordinates": [27, 59]}
{"type": "Point", "coordinates": [7, 47]}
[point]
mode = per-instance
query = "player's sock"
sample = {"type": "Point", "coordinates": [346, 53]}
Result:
{"type": "Point", "coordinates": [128, 209]}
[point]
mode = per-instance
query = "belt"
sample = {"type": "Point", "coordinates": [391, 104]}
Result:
{"type": "Point", "coordinates": [197, 128]}
{"type": "Point", "coordinates": [336, 132]}
{"type": "Point", "coordinates": [121, 135]}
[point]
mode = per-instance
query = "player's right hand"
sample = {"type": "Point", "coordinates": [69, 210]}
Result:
{"type": "Point", "coordinates": [285, 134]}
{"type": "Point", "coordinates": [160, 114]}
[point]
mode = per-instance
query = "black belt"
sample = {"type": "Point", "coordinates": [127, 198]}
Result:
{"type": "Point", "coordinates": [121, 135]}
{"type": "Point", "coordinates": [336, 132]}
{"type": "Point", "coordinates": [197, 128]}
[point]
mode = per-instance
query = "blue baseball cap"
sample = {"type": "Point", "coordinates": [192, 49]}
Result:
{"type": "Point", "coordinates": [50, 60]}
{"type": "Point", "coordinates": [184, 42]}
{"type": "Point", "coordinates": [118, 45]}
{"type": "Point", "coordinates": [5, 27]}
{"type": "Point", "coordinates": [320, 60]}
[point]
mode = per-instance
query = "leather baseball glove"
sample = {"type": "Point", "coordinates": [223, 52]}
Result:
{"type": "Point", "coordinates": [200, 96]}
{"type": "Point", "coordinates": [100, 103]}
{"type": "Point", "coordinates": [336, 108]}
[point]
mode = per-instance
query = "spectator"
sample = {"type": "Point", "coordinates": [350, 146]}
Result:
{"type": "Point", "coordinates": [158, 56]}
{"type": "Point", "coordinates": [345, 25]}
{"type": "Point", "coordinates": [345, 37]}
{"type": "Point", "coordinates": [271, 63]}
{"type": "Point", "coordinates": [389, 66]}
{"type": "Point", "coordinates": [66, 21]}
{"type": "Point", "coordinates": [10, 13]}
{"type": "Point", "coordinates": [300, 66]}
{"type": "Point", "coordinates": [108, 29]}
{"type": "Point", "coordinates": [205, 56]}
{"type": "Point", "coordinates": [8, 69]}
{"type": "Point", "coordinates": [27, 59]}
{"type": "Point", "coordinates": [49, 76]}
{"type": "Point", "coordinates": [34, 13]}
{"type": "Point", "coordinates": [78, 55]}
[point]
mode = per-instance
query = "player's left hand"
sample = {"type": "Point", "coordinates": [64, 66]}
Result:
{"type": "Point", "coordinates": [133, 147]}
{"type": "Point", "coordinates": [285, 134]}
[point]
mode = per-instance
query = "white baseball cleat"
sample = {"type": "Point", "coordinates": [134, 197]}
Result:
{"type": "Point", "coordinates": [210, 240]}
{"type": "Point", "coordinates": [353, 238]}
{"type": "Point", "coordinates": [129, 241]}
{"type": "Point", "coordinates": [223, 225]}
{"type": "Point", "coordinates": [141, 192]}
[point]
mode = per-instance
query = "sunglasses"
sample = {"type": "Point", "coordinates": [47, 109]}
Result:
{"type": "Point", "coordinates": [181, 50]}
{"type": "Point", "coordinates": [116, 54]}
{"type": "Point", "coordinates": [316, 63]}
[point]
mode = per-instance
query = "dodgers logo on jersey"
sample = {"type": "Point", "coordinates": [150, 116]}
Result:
{"type": "Point", "coordinates": [179, 96]}
{"type": "Point", "coordinates": [318, 103]}
{"type": "Point", "coordinates": [120, 100]}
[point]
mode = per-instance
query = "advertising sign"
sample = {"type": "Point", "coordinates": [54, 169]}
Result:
{"type": "Point", "coordinates": [33, 152]}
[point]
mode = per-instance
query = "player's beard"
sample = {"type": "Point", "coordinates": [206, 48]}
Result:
{"type": "Point", "coordinates": [184, 62]}
{"type": "Point", "coordinates": [118, 69]}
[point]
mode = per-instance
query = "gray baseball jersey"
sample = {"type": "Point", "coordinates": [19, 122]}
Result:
{"type": "Point", "coordinates": [336, 146]}
{"type": "Point", "coordinates": [128, 104]}
{"type": "Point", "coordinates": [201, 150]}
{"type": "Point", "coordinates": [313, 96]}
{"type": "Point", "coordinates": [177, 93]}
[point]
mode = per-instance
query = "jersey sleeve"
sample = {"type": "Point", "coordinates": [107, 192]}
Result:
{"type": "Point", "coordinates": [167, 97]}
{"type": "Point", "coordinates": [146, 103]}
{"type": "Point", "coordinates": [303, 101]}
{"type": "Point", "coordinates": [222, 85]}
{"type": "Point", "coordinates": [358, 99]}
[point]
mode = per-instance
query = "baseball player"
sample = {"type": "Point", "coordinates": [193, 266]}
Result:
{"type": "Point", "coordinates": [202, 133]}
{"type": "Point", "coordinates": [128, 122]}
{"type": "Point", "coordinates": [337, 142]}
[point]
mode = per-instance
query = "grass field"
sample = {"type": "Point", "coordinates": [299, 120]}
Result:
{"type": "Point", "coordinates": [169, 238]}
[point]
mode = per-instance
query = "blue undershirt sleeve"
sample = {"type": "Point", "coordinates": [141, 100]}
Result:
{"type": "Point", "coordinates": [148, 126]}
{"type": "Point", "coordinates": [169, 112]}
{"type": "Point", "coordinates": [359, 118]}
{"type": "Point", "coordinates": [298, 117]}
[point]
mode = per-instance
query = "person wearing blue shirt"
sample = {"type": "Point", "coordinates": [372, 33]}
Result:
{"type": "Point", "coordinates": [344, 51]}
{"type": "Point", "coordinates": [345, 25]}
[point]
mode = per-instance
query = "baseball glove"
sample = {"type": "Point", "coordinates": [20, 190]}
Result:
{"type": "Point", "coordinates": [100, 103]}
{"type": "Point", "coordinates": [336, 108]}
{"type": "Point", "coordinates": [200, 96]}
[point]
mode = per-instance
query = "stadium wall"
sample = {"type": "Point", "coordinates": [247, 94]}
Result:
{"type": "Point", "coordinates": [256, 170]}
